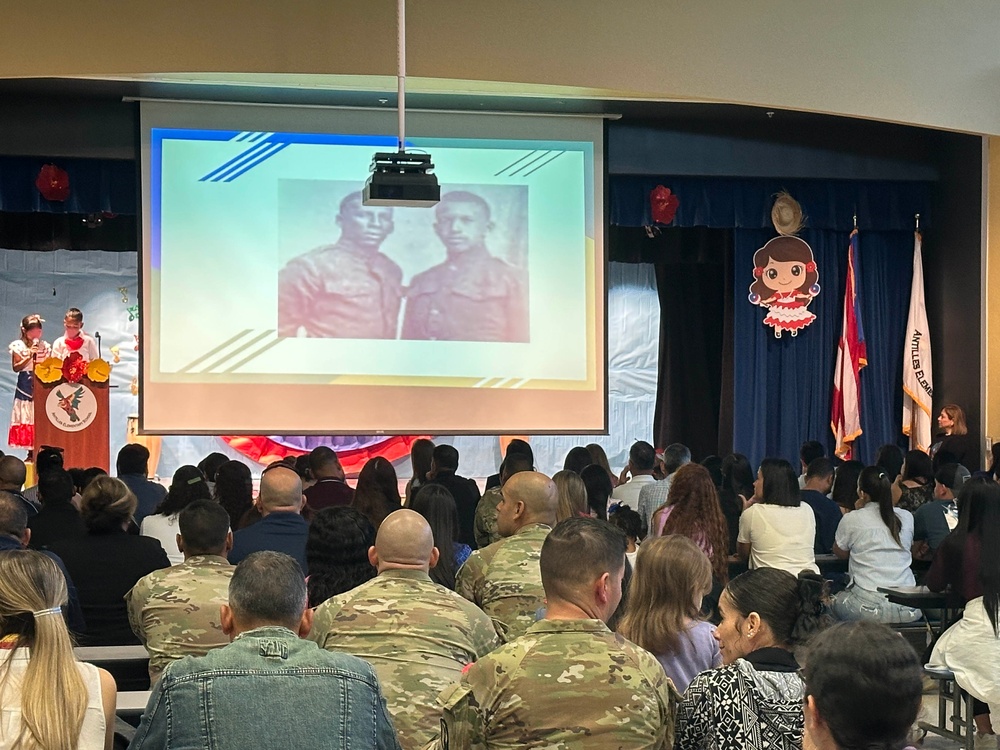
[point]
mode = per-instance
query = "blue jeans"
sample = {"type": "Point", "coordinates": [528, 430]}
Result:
{"type": "Point", "coordinates": [856, 603]}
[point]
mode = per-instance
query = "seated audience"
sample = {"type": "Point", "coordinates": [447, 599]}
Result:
{"type": "Point", "coordinates": [636, 474]}
{"type": "Point", "coordinates": [599, 490]}
{"type": "Point", "coordinates": [516, 447]}
{"type": "Point", "coordinates": [325, 698]}
{"type": "Point", "coordinates": [234, 490]}
{"type": "Point", "coordinates": [209, 467]}
{"type": "Point", "coordinates": [630, 522]}
{"type": "Point", "coordinates": [106, 563]}
{"type": "Point", "coordinates": [572, 495]}
{"type": "Point", "coordinates": [875, 539]}
{"type": "Point", "coordinates": [49, 699]}
{"type": "Point", "coordinates": [713, 464]}
{"type": "Point", "coordinates": [736, 491]}
{"type": "Point", "coordinates": [420, 466]}
{"type": "Point", "coordinates": [664, 610]}
{"type": "Point", "coordinates": [444, 468]}
{"type": "Point", "coordinates": [330, 488]}
{"type": "Point", "coordinates": [174, 612]}
{"type": "Point", "coordinates": [819, 482]}
{"type": "Point", "coordinates": [16, 534]}
{"type": "Point", "coordinates": [577, 459]}
{"type": "Point", "coordinates": [600, 458]}
{"type": "Point", "coordinates": [692, 510]}
{"type": "Point", "coordinates": [754, 701]}
{"type": "Point", "coordinates": [778, 530]}
{"type": "Point", "coordinates": [971, 647]}
{"type": "Point", "coordinates": [569, 681]}
{"type": "Point", "coordinates": [809, 451]}
{"type": "Point", "coordinates": [890, 458]}
{"type": "Point", "coordinates": [845, 485]}
{"type": "Point", "coordinates": [132, 466]}
{"type": "Point", "coordinates": [954, 444]}
{"type": "Point", "coordinates": [485, 520]}
{"type": "Point", "coordinates": [437, 506]}
{"type": "Point", "coordinates": [933, 521]}
{"type": "Point", "coordinates": [863, 687]}
{"type": "Point", "coordinates": [504, 579]}
{"type": "Point", "coordinates": [955, 567]}
{"type": "Point", "coordinates": [418, 635]}
{"type": "Point", "coordinates": [915, 485]}
{"type": "Point", "coordinates": [377, 493]}
{"type": "Point", "coordinates": [337, 552]}
{"type": "Point", "coordinates": [48, 459]}
{"type": "Point", "coordinates": [654, 495]}
{"type": "Point", "coordinates": [282, 528]}
{"type": "Point", "coordinates": [187, 485]}
{"type": "Point", "coordinates": [12, 473]}
{"type": "Point", "coordinates": [58, 517]}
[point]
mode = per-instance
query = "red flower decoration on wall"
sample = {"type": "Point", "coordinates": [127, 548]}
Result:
{"type": "Point", "coordinates": [53, 183]}
{"type": "Point", "coordinates": [74, 367]}
{"type": "Point", "coordinates": [664, 204]}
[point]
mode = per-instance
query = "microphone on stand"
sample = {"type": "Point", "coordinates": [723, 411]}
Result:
{"type": "Point", "coordinates": [97, 335]}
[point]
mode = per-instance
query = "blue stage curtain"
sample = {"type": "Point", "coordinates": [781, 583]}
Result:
{"type": "Point", "coordinates": [96, 186]}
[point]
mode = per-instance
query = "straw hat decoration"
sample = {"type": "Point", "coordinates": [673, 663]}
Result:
{"type": "Point", "coordinates": [786, 215]}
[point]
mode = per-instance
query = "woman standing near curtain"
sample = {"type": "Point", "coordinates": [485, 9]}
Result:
{"type": "Point", "coordinates": [24, 353]}
{"type": "Point", "coordinates": [954, 444]}
{"type": "Point", "coordinates": [876, 540]}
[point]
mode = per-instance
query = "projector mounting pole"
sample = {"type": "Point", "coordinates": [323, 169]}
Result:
{"type": "Point", "coordinates": [401, 76]}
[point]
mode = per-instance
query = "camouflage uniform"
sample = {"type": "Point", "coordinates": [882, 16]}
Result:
{"type": "Point", "coordinates": [418, 636]}
{"type": "Point", "coordinates": [175, 611]}
{"type": "Point", "coordinates": [564, 684]}
{"type": "Point", "coordinates": [486, 518]}
{"type": "Point", "coordinates": [504, 579]}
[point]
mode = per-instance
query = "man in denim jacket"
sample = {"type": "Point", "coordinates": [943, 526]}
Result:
{"type": "Point", "coordinates": [268, 688]}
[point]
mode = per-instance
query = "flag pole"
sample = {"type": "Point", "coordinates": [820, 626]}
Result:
{"type": "Point", "coordinates": [917, 217]}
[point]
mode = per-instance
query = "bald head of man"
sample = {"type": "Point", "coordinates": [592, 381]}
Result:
{"type": "Point", "coordinates": [280, 491]}
{"type": "Point", "coordinates": [12, 473]}
{"type": "Point", "coordinates": [404, 541]}
{"type": "Point", "coordinates": [529, 497]}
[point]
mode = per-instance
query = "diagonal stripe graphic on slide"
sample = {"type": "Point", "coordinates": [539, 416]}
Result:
{"type": "Point", "coordinates": [235, 161]}
{"type": "Point", "coordinates": [238, 352]}
{"type": "Point", "coordinates": [544, 163]}
{"type": "Point", "coordinates": [260, 158]}
{"type": "Point", "coordinates": [215, 350]}
{"type": "Point", "coordinates": [524, 166]}
{"type": "Point", "coordinates": [515, 163]}
{"type": "Point", "coordinates": [256, 354]}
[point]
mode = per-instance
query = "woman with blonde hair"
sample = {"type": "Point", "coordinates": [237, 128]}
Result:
{"type": "Point", "coordinates": [49, 700]}
{"type": "Point", "coordinates": [672, 576]}
{"type": "Point", "coordinates": [954, 444]}
{"type": "Point", "coordinates": [572, 495]}
{"type": "Point", "coordinates": [693, 510]}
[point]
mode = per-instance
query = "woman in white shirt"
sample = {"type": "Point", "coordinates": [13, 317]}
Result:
{"type": "Point", "coordinates": [47, 699]}
{"type": "Point", "coordinates": [876, 540]}
{"type": "Point", "coordinates": [187, 485]}
{"type": "Point", "coordinates": [777, 530]}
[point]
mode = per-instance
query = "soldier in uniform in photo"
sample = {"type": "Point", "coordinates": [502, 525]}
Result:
{"type": "Point", "coordinates": [472, 295]}
{"type": "Point", "coordinates": [349, 289]}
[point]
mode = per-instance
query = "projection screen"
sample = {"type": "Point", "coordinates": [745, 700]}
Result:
{"type": "Point", "coordinates": [273, 302]}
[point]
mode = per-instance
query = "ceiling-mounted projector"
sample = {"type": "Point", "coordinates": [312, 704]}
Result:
{"type": "Point", "coordinates": [402, 179]}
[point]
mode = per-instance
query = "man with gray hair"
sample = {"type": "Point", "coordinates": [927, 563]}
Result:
{"type": "Point", "coordinates": [282, 528]}
{"type": "Point", "coordinates": [653, 495]}
{"type": "Point", "coordinates": [325, 698]}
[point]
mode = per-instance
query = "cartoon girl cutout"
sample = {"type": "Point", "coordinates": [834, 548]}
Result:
{"type": "Point", "coordinates": [785, 281]}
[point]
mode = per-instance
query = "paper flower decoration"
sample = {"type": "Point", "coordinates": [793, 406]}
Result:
{"type": "Point", "coordinates": [74, 367]}
{"type": "Point", "coordinates": [663, 204]}
{"type": "Point", "coordinates": [49, 370]}
{"type": "Point", "coordinates": [116, 352]}
{"type": "Point", "coordinates": [53, 183]}
{"type": "Point", "coordinates": [99, 371]}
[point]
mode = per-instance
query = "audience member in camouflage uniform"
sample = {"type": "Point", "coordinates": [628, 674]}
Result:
{"type": "Point", "coordinates": [418, 635]}
{"type": "Point", "coordinates": [503, 579]}
{"type": "Point", "coordinates": [569, 682]}
{"type": "Point", "coordinates": [175, 611]}
{"type": "Point", "coordinates": [486, 510]}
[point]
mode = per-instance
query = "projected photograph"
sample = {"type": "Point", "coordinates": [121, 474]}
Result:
{"type": "Point", "coordinates": [455, 272]}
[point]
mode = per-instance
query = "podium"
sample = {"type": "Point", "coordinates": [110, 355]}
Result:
{"type": "Point", "coordinates": [74, 417]}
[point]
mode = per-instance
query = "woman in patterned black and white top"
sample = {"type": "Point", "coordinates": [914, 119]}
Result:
{"type": "Point", "coordinates": [754, 700]}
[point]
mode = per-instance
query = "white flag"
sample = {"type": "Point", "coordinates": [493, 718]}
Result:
{"type": "Point", "coordinates": [918, 383]}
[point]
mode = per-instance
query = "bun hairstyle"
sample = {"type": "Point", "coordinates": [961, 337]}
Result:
{"type": "Point", "coordinates": [874, 482]}
{"type": "Point", "coordinates": [866, 682]}
{"type": "Point", "coordinates": [106, 504]}
{"type": "Point", "coordinates": [793, 607]}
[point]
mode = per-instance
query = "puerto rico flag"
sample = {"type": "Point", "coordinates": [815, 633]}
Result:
{"type": "Point", "coordinates": [852, 355]}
